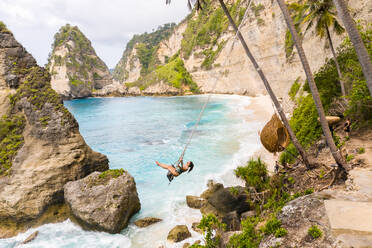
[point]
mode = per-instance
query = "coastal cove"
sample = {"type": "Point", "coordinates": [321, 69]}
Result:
{"type": "Point", "coordinates": [133, 132]}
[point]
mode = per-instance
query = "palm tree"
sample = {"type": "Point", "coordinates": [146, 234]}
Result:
{"type": "Point", "coordinates": [357, 41]}
{"type": "Point", "coordinates": [197, 3]}
{"type": "Point", "coordinates": [322, 14]}
{"type": "Point", "coordinates": [314, 90]}
{"type": "Point", "coordinates": [273, 97]}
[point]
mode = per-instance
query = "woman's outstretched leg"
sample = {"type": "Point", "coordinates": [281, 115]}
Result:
{"type": "Point", "coordinates": [168, 167]}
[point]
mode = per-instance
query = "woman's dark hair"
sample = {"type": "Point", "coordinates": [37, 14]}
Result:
{"type": "Point", "coordinates": [191, 166]}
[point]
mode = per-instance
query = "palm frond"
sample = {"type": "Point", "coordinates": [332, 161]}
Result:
{"type": "Point", "coordinates": [338, 28]}
{"type": "Point", "coordinates": [190, 4]}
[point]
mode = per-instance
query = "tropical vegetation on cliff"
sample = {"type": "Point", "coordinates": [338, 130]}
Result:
{"type": "Point", "coordinates": [74, 59]}
{"type": "Point", "coordinates": [146, 45]}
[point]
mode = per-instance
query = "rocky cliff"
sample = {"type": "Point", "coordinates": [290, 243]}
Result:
{"type": "Point", "coordinates": [76, 69]}
{"type": "Point", "coordinates": [41, 148]}
{"type": "Point", "coordinates": [204, 41]}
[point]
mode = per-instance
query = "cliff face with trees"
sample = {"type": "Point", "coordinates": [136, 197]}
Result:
{"type": "Point", "coordinates": [204, 42]}
{"type": "Point", "coordinates": [75, 68]}
{"type": "Point", "coordinates": [41, 148]}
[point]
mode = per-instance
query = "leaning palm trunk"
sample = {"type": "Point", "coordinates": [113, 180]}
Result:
{"type": "Point", "coordinates": [357, 41]}
{"type": "Point", "coordinates": [314, 90]}
{"type": "Point", "coordinates": [337, 64]}
{"type": "Point", "coordinates": [268, 87]}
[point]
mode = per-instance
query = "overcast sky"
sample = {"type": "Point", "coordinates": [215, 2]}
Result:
{"type": "Point", "coordinates": [109, 24]}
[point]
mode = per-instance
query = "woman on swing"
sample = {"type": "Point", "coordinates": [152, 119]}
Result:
{"type": "Point", "coordinates": [178, 170]}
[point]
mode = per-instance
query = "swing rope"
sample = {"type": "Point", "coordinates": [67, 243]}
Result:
{"type": "Point", "coordinates": [214, 86]}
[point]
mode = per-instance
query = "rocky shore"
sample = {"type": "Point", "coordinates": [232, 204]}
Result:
{"type": "Point", "coordinates": [309, 213]}
{"type": "Point", "coordinates": [41, 147]}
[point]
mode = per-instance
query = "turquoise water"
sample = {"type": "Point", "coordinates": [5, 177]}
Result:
{"type": "Point", "coordinates": [133, 133]}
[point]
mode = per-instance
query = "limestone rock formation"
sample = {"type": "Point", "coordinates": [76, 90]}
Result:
{"type": "Point", "coordinates": [179, 233]}
{"type": "Point", "coordinates": [151, 63]}
{"type": "Point", "coordinates": [114, 89]}
{"type": "Point", "coordinates": [103, 201]}
{"type": "Point", "coordinates": [40, 144]}
{"type": "Point", "coordinates": [145, 222]}
{"type": "Point", "coordinates": [206, 50]}
{"type": "Point", "coordinates": [297, 217]}
{"type": "Point", "coordinates": [76, 69]}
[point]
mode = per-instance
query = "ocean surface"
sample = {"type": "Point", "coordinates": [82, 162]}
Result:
{"type": "Point", "coordinates": [134, 132]}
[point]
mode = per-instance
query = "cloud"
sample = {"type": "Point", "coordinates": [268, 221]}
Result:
{"type": "Point", "coordinates": [108, 24]}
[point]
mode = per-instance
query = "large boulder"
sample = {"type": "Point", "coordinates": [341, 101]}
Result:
{"type": "Point", "coordinates": [179, 233]}
{"type": "Point", "coordinates": [221, 201]}
{"type": "Point", "coordinates": [297, 217]}
{"type": "Point", "coordinates": [103, 201]}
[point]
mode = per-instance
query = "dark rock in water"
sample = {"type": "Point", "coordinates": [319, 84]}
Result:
{"type": "Point", "coordinates": [147, 221]}
{"type": "Point", "coordinates": [195, 227]}
{"type": "Point", "coordinates": [247, 214]}
{"type": "Point", "coordinates": [232, 221]}
{"type": "Point", "coordinates": [195, 202]}
{"type": "Point", "coordinates": [31, 237]}
{"type": "Point", "coordinates": [103, 201]}
{"type": "Point", "coordinates": [179, 233]}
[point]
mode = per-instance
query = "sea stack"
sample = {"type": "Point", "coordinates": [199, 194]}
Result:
{"type": "Point", "coordinates": [76, 70]}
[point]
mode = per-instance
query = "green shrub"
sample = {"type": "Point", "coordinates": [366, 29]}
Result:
{"type": "Point", "coordinates": [254, 174]}
{"type": "Point", "coordinates": [361, 150]}
{"type": "Point", "coordinates": [305, 122]}
{"type": "Point", "coordinates": [272, 225]}
{"type": "Point", "coordinates": [308, 191]}
{"type": "Point", "coordinates": [249, 238]}
{"type": "Point", "coordinates": [112, 173]}
{"type": "Point", "coordinates": [289, 155]}
{"type": "Point", "coordinates": [11, 129]}
{"type": "Point", "coordinates": [234, 191]}
{"type": "Point", "coordinates": [294, 89]}
{"type": "Point", "coordinates": [349, 157]}
{"type": "Point", "coordinates": [3, 28]}
{"type": "Point", "coordinates": [281, 232]}
{"type": "Point", "coordinates": [314, 232]}
{"type": "Point", "coordinates": [176, 74]}
{"type": "Point", "coordinates": [212, 229]}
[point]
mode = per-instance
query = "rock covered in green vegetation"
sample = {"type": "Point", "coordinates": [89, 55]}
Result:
{"type": "Point", "coordinates": [297, 218]}
{"type": "Point", "coordinates": [76, 69]}
{"type": "Point", "coordinates": [139, 56]}
{"type": "Point", "coordinates": [103, 201]}
{"type": "Point", "coordinates": [41, 148]}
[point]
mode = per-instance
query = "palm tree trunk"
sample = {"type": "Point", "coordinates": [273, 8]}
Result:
{"type": "Point", "coordinates": [314, 90]}
{"type": "Point", "coordinates": [268, 87]}
{"type": "Point", "coordinates": [357, 41]}
{"type": "Point", "coordinates": [337, 64]}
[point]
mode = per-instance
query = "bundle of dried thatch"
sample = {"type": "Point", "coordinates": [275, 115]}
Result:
{"type": "Point", "coordinates": [332, 120]}
{"type": "Point", "coordinates": [274, 136]}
